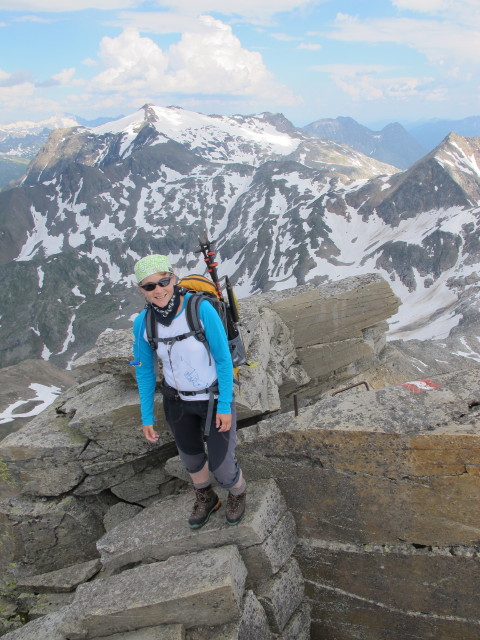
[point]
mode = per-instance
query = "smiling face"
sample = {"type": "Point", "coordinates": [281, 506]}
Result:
{"type": "Point", "coordinates": [160, 296]}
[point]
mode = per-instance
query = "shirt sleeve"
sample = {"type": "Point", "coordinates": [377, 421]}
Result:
{"type": "Point", "coordinates": [145, 371]}
{"type": "Point", "coordinates": [218, 343]}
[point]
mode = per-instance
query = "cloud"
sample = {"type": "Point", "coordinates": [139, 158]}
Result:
{"type": "Point", "coordinates": [249, 9]}
{"type": "Point", "coordinates": [65, 77]}
{"type": "Point", "coordinates": [161, 22]}
{"type": "Point", "coordinates": [458, 11]}
{"type": "Point", "coordinates": [443, 42]}
{"type": "Point", "coordinates": [284, 37]}
{"type": "Point", "coordinates": [61, 6]}
{"type": "Point", "coordinates": [309, 46]}
{"type": "Point", "coordinates": [368, 82]}
{"type": "Point", "coordinates": [208, 61]}
{"type": "Point", "coordinates": [14, 79]}
{"type": "Point", "coordinates": [31, 18]}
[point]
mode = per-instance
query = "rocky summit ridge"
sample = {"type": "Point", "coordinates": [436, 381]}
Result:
{"type": "Point", "coordinates": [362, 460]}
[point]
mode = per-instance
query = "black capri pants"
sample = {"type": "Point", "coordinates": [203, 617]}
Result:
{"type": "Point", "coordinates": [186, 420]}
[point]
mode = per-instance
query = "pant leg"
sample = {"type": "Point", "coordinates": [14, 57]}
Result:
{"type": "Point", "coordinates": [186, 426]}
{"type": "Point", "coordinates": [221, 453]}
{"type": "Point", "coordinates": [186, 420]}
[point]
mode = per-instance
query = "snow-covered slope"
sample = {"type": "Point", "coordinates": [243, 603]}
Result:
{"type": "Point", "coordinates": [284, 209]}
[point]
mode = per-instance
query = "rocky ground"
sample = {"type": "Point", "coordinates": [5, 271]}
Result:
{"type": "Point", "coordinates": [376, 478]}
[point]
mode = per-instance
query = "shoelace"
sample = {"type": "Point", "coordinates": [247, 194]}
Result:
{"type": "Point", "coordinates": [234, 501]}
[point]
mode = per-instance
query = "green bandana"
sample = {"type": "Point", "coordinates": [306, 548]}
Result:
{"type": "Point", "coordinates": [152, 264]}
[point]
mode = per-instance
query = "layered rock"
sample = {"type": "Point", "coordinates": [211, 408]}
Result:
{"type": "Point", "coordinates": [235, 583]}
{"type": "Point", "coordinates": [382, 487]}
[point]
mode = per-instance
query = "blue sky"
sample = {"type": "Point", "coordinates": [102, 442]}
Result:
{"type": "Point", "coordinates": [377, 61]}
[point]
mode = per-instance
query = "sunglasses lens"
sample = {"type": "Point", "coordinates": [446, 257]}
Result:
{"type": "Point", "coordinates": [150, 286]}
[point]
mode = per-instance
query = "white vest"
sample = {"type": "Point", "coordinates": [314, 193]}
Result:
{"type": "Point", "coordinates": [185, 362]}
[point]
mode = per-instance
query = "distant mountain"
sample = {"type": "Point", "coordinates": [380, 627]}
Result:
{"type": "Point", "coordinates": [430, 134]}
{"type": "Point", "coordinates": [21, 141]}
{"type": "Point", "coordinates": [96, 122]}
{"type": "Point", "coordinates": [393, 144]}
{"type": "Point", "coordinates": [284, 208]}
{"type": "Point", "coordinates": [11, 170]}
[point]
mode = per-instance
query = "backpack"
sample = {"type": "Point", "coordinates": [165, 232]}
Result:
{"type": "Point", "coordinates": [202, 288]}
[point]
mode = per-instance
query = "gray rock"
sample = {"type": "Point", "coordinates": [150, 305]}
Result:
{"type": "Point", "coordinates": [142, 485]}
{"type": "Point", "coordinates": [174, 467]}
{"type": "Point", "coordinates": [46, 534]}
{"type": "Point", "coordinates": [108, 413]}
{"type": "Point", "coordinates": [111, 354]}
{"type": "Point", "coordinates": [59, 625]}
{"type": "Point", "coordinates": [119, 513]}
{"type": "Point", "coordinates": [189, 590]}
{"type": "Point", "coordinates": [163, 632]}
{"type": "Point", "coordinates": [65, 579]}
{"type": "Point", "coordinates": [378, 466]}
{"type": "Point", "coordinates": [337, 311]}
{"type": "Point", "coordinates": [265, 559]}
{"type": "Point", "coordinates": [42, 459]}
{"type": "Point", "coordinates": [42, 604]}
{"type": "Point", "coordinates": [299, 626]}
{"type": "Point", "coordinates": [161, 531]}
{"type": "Point", "coordinates": [253, 625]}
{"type": "Point", "coordinates": [282, 595]}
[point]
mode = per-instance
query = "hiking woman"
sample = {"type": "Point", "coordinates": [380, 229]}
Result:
{"type": "Point", "coordinates": [189, 369]}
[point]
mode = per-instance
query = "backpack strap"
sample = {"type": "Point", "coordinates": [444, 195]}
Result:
{"type": "Point", "coordinates": [151, 327]}
{"type": "Point", "coordinates": [193, 320]}
{"type": "Point", "coordinates": [152, 335]}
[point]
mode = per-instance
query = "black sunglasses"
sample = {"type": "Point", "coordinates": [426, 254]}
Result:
{"type": "Point", "coordinates": [150, 286]}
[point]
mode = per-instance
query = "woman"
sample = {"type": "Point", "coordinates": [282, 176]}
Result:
{"type": "Point", "coordinates": [188, 371]}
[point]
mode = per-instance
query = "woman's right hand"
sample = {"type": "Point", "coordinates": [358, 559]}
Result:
{"type": "Point", "coordinates": [149, 432]}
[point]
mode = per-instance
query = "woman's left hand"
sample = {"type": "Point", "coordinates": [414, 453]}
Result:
{"type": "Point", "coordinates": [223, 421]}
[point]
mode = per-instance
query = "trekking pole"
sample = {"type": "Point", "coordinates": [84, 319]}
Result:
{"type": "Point", "coordinates": [206, 247]}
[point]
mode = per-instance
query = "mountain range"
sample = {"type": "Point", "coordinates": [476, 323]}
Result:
{"type": "Point", "coordinates": [394, 144]}
{"type": "Point", "coordinates": [284, 208]}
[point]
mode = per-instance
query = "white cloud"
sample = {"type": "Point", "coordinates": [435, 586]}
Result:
{"type": "Point", "coordinates": [65, 76]}
{"type": "Point", "coordinates": [369, 82]}
{"type": "Point", "coordinates": [309, 47]}
{"type": "Point", "coordinates": [162, 22]}
{"type": "Point", "coordinates": [458, 11]}
{"type": "Point", "coordinates": [31, 18]}
{"type": "Point", "coordinates": [61, 5]}
{"type": "Point", "coordinates": [249, 9]}
{"type": "Point", "coordinates": [15, 99]}
{"type": "Point", "coordinates": [209, 60]}
{"type": "Point", "coordinates": [284, 37]}
{"type": "Point", "coordinates": [443, 42]}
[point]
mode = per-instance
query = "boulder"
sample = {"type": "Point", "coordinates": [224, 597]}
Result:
{"type": "Point", "coordinates": [161, 531]}
{"type": "Point", "coordinates": [281, 595]}
{"type": "Point", "coordinates": [253, 625]}
{"type": "Point", "coordinates": [190, 590]}
{"type": "Point", "coordinates": [62, 580]}
{"type": "Point", "coordinates": [42, 535]}
{"type": "Point", "coordinates": [43, 459]}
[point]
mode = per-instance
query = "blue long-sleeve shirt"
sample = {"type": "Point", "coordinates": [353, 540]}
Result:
{"type": "Point", "coordinates": [218, 344]}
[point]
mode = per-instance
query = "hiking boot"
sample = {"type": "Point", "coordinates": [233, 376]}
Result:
{"type": "Point", "coordinates": [235, 507]}
{"type": "Point", "coordinates": [206, 502]}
